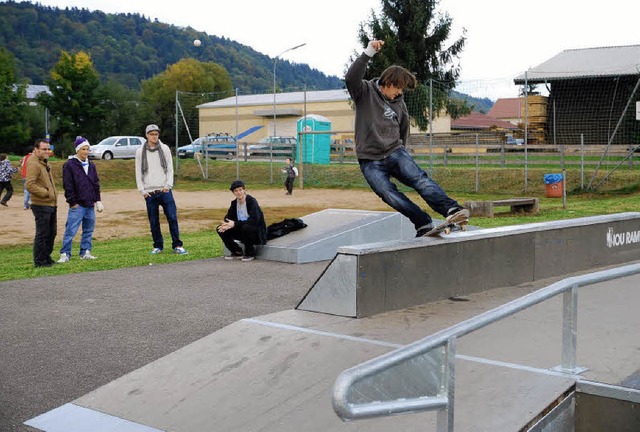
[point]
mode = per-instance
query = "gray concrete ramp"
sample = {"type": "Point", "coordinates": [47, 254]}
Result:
{"type": "Point", "coordinates": [368, 279]}
{"type": "Point", "coordinates": [330, 229]}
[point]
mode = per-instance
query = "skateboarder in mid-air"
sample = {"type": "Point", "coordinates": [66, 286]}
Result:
{"type": "Point", "coordinates": [381, 132]}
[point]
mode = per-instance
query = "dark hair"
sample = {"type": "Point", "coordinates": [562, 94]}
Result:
{"type": "Point", "coordinates": [3, 156]}
{"type": "Point", "coordinates": [397, 76]}
{"type": "Point", "coordinates": [36, 145]}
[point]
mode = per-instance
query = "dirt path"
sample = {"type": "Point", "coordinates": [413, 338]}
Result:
{"type": "Point", "coordinates": [125, 213]}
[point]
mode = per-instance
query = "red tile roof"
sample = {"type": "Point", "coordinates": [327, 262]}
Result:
{"type": "Point", "coordinates": [478, 121]}
{"type": "Point", "coordinates": [506, 108]}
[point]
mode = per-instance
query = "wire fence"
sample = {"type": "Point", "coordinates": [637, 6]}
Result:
{"type": "Point", "coordinates": [585, 129]}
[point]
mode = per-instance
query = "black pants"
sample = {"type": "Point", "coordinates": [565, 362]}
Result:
{"type": "Point", "coordinates": [9, 187]}
{"type": "Point", "coordinates": [46, 230]}
{"type": "Point", "coordinates": [288, 183]}
{"type": "Point", "coordinates": [247, 234]}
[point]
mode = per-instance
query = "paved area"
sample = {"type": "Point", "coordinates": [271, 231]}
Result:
{"type": "Point", "coordinates": [65, 336]}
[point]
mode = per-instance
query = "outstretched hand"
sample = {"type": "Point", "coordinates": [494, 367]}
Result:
{"type": "Point", "coordinates": [373, 47]}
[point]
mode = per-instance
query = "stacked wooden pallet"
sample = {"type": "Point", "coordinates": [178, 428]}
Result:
{"type": "Point", "coordinates": [536, 116]}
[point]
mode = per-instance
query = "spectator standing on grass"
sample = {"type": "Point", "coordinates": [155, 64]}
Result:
{"type": "Point", "coordinates": [6, 170]}
{"type": "Point", "coordinates": [292, 173]}
{"type": "Point", "coordinates": [44, 203]}
{"type": "Point", "coordinates": [381, 133]}
{"type": "Point", "coordinates": [154, 178]}
{"type": "Point", "coordinates": [244, 221]}
{"type": "Point", "coordinates": [82, 192]}
{"type": "Point", "coordinates": [23, 171]}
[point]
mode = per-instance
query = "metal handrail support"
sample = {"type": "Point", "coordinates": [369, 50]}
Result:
{"type": "Point", "coordinates": [443, 401]}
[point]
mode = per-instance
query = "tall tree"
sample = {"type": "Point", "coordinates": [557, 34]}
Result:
{"type": "Point", "coordinates": [77, 99]}
{"type": "Point", "coordinates": [187, 75]}
{"type": "Point", "coordinates": [416, 37]}
{"type": "Point", "coordinates": [14, 127]}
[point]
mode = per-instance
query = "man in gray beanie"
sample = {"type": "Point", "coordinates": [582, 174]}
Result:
{"type": "Point", "coordinates": [154, 178]}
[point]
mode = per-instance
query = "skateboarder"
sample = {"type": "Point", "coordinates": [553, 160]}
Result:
{"type": "Point", "coordinates": [381, 132]}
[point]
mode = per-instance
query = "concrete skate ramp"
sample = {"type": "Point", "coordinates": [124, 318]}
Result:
{"type": "Point", "coordinates": [330, 229]}
{"type": "Point", "coordinates": [363, 280]}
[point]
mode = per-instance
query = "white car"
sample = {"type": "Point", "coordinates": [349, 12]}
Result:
{"type": "Point", "coordinates": [116, 147]}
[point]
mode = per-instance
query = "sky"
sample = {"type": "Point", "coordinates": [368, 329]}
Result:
{"type": "Point", "coordinates": [504, 37]}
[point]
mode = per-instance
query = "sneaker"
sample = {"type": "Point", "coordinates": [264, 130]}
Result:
{"type": "Point", "coordinates": [156, 251]}
{"type": "Point", "coordinates": [63, 258]}
{"type": "Point", "coordinates": [180, 250]}
{"type": "Point", "coordinates": [87, 255]}
{"type": "Point", "coordinates": [4, 204]}
{"type": "Point", "coordinates": [455, 215]}
{"type": "Point", "coordinates": [423, 230]}
{"type": "Point", "coordinates": [248, 258]}
{"type": "Point", "coordinates": [233, 256]}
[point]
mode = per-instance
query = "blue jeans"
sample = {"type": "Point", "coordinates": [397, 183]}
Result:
{"type": "Point", "coordinates": [27, 194]}
{"type": "Point", "coordinates": [166, 201]}
{"type": "Point", "coordinates": [76, 216]}
{"type": "Point", "coordinates": [401, 166]}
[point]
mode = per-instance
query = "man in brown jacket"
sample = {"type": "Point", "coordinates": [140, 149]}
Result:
{"type": "Point", "coordinates": [44, 202]}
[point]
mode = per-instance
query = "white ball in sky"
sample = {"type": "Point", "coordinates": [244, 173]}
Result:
{"type": "Point", "coordinates": [197, 42]}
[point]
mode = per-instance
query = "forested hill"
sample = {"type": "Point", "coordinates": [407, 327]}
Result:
{"type": "Point", "coordinates": [129, 48]}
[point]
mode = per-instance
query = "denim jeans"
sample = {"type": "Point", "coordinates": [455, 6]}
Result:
{"type": "Point", "coordinates": [46, 230]}
{"type": "Point", "coordinates": [168, 204]}
{"type": "Point", "coordinates": [401, 166]}
{"type": "Point", "coordinates": [26, 193]}
{"type": "Point", "coordinates": [76, 216]}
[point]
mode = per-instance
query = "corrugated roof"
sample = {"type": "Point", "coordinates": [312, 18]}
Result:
{"type": "Point", "coordinates": [281, 98]}
{"type": "Point", "coordinates": [586, 63]}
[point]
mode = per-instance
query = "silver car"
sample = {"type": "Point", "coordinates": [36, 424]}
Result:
{"type": "Point", "coordinates": [116, 147]}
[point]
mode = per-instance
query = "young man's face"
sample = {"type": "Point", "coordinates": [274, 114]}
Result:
{"type": "Point", "coordinates": [153, 137]}
{"type": "Point", "coordinates": [391, 92]}
{"type": "Point", "coordinates": [42, 151]}
{"type": "Point", "coordinates": [240, 193]}
{"type": "Point", "coordinates": [83, 153]}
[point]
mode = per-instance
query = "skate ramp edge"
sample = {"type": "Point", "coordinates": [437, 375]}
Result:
{"type": "Point", "coordinates": [366, 279]}
{"type": "Point", "coordinates": [329, 229]}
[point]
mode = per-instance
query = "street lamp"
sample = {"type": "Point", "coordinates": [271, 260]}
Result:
{"type": "Point", "coordinates": [275, 60]}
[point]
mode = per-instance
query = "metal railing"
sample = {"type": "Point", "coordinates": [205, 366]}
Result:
{"type": "Point", "coordinates": [359, 392]}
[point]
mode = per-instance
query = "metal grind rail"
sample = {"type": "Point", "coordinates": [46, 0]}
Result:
{"type": "Point", "coordinates": [421, 376]}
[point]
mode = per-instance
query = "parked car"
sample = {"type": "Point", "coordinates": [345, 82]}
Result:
{"type": "Point", "coordinates": [189, 151]}
{"type": "Point", "coordinates": [514, 141]}
{"type": "Point", "coordinates": [276, 144]}
{"type": "Point", "coordinates": [116, 147]}
{"type": "Point", "coordinates": [216, 145]}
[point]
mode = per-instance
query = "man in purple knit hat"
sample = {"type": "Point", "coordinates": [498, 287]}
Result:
{"type": "Point", "coordinates": [82, 192]}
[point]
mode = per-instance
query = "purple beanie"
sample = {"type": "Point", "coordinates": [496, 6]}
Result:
{"type": "Point", "coordinates": [80, 141]}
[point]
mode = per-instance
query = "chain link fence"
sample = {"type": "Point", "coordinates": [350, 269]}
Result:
{"type": "Point", "coordinates": [586, 130]}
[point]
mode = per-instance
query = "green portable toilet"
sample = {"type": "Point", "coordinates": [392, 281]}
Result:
{"type": "Point", "coordinates": [316, 148]}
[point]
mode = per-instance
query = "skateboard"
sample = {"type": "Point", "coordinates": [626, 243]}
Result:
{"type": "Point", "coordinates": [457, 221]}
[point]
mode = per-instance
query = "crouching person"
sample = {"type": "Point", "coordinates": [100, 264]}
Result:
{"type": "Point", "coordinates": [244, 221]}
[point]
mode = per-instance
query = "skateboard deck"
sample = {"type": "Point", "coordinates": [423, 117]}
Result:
{"type": "Point", "coordinates": [457, 221]}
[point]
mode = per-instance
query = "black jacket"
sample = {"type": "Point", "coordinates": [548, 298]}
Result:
{"type": "Point", "coordinates": [256, 217]}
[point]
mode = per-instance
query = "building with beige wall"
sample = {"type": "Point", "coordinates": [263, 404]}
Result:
{"type": "Point", "coordinates": [257, 112]}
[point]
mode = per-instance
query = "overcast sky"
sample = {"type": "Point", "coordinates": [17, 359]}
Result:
{"type": "Point", "coordinates": [504, 37]}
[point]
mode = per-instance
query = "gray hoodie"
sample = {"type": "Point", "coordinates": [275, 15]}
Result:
{"type": "Point", "coordinates": [382, 125]}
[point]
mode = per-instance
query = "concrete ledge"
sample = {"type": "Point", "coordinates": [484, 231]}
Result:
{"type": "Point", "coordinates": [367, 279]}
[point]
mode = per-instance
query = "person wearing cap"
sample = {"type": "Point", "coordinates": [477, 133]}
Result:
{"type": "Point", "coordinates": [244, 221]}
{"type": "Point", "coordinates": [44, 203]}
{"type": "Point", "coordinates": [154, 178]}
{"type": "Point", "coordinates": [82, 192]}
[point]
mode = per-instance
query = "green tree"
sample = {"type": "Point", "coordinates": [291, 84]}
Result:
{"type": "Point", "coordinates": [14, 127]}
{"type": "Point", "coordinates": [416, 37]}
{"type": "Point", "coordinates": [126, 114]}
{"type": "Point", "coordinates": [187, 75]}
{"type": "Point", "coordinates": [76, 100]}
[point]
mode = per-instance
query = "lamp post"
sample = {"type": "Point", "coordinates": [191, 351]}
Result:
{"type": "Point", "coordinates": [275, 60]}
